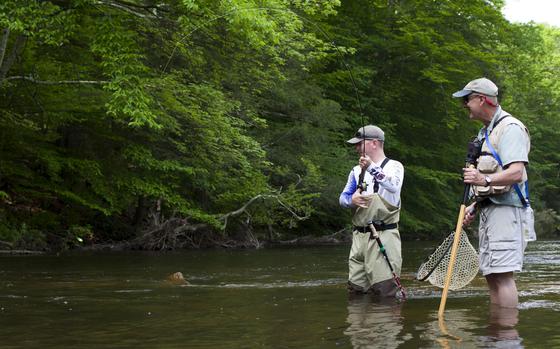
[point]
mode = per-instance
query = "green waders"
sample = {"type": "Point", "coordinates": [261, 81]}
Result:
{"type": "Point", "coordinates": [368, 269]}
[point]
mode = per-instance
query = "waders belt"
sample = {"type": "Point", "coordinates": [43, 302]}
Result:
{"type": "Point", "coordinates": [379, 226]}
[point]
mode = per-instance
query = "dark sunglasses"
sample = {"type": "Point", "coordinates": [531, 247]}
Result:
{"type": "Point", "coordinates": [470, 97]}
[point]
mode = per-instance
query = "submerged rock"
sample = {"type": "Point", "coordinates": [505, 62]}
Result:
{"type": "Point", "coordinates": [177, 279]}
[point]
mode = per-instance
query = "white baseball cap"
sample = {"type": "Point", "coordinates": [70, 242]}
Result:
{"type": "Point", "coordinates": [482, 85]}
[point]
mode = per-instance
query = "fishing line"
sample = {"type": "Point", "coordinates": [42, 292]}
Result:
{"type": "Point", "coordinates": [340, 59]}
{"type": "Point", "coordinates": [273, 9]}
{"type": "Point", "coordinates": [306, 20]}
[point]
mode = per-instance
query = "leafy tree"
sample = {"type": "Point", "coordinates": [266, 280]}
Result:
{"type": "Point", "coordinates": [190, 123]}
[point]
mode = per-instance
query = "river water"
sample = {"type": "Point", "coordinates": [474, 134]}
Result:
{"type": "Point", "coordinates": [271, 298]}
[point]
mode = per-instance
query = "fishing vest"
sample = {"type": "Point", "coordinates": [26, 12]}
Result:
{"type": "Point", "coordinates": [487, 164]}
{"type": "Point", "coordinates": [379, 208]}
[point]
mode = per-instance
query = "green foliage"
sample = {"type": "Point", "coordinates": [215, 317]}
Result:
{"type": "Point", "coordinates": [30, 239]}
{"type": "Point", "coordinates": [43, 21]}
{"type": "Point", "coordinates": [122, 63]}
{"type": "Point", "coordinates": [116, 116]}
{"type": "Point", "coordinates": [81, 233]}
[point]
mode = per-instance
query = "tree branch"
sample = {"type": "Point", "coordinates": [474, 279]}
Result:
{"type": "Point", "coordinates": [125, 6]}
{"type": "Point", "coordinates": [6, 243]}
{"type": "Point", "coordinates": [145, 7]}
{"type": "Point", "coordinates": [61, 82]}
{"type": "Point", "coordinates": [244, 208]}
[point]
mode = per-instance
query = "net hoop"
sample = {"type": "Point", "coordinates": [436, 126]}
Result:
{"type": "Point", "coordinates": [434, 268]}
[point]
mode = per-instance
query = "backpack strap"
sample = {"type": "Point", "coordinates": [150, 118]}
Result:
{"type": "Point", "coordinates": [385, 161]}
{"type": "Point", "coordinates": [375, 182]}
{"type": "Point", "coordinates": [524, 201]}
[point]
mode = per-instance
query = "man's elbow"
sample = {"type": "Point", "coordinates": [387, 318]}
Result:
{"type": "Point", "coordinates": [516, 172]}
{"type": "Point", "coordinates": [518, 176]}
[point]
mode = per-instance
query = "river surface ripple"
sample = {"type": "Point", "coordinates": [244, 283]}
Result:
{"type": "Point", "coordinates": [270, 298]}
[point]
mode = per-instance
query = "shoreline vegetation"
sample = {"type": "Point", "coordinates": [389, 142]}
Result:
{"type": "Point", "coordinates": [204, 123]}
{"type": "Point", "coordinates": [342, 237]}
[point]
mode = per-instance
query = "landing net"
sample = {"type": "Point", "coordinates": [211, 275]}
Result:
{"type": "Point", "coordinates": [434, 269]}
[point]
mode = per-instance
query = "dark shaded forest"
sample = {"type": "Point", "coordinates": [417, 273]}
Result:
{"type": "Point", "coordinates": [172, 124]}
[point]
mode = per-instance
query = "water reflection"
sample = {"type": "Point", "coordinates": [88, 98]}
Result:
{"type": "Point", "coordinates": [374, 323]}
{"type": "Point", "coordinates": [459, 325]}
{"type": "Point", "coordinates": [452, 330]}
{"type": "Point", "coordinates": [501, 328]}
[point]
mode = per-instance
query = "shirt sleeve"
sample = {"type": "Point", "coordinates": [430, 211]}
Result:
{"type": "Point", "coordinates": [514, 145]}
{"type": "Point", "coordinates": [345, 198]}
{"type": "Point", "coordinates": [394, 178]}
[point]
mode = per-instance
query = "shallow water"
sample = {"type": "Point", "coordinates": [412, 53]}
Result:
{"type": "Point", "coordinates": [275, 298]}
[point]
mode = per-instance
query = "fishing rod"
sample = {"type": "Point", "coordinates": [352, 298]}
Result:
{"type": "Point", "coordinates": [362, 185]}
{"type": "Point", "coordinates": [306, 20]}
{"type": "Point", "coordinates": [361, 181]}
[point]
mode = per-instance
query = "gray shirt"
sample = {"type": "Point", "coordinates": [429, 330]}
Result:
{"type": "Point", "coordinates": [513, 147]}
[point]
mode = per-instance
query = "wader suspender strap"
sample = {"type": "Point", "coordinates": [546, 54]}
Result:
{"type": "Point", "coordinates": [376, 183]}
{"type": "Point", "coordinates": [497, 157]}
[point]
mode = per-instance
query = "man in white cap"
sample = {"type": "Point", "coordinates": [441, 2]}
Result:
{"type": "Point", "coordinates": [499, 184]}
{"type": "Point", "coordinates": [373, 191]}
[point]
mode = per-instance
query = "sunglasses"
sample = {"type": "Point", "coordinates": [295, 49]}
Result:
{"type": "Point", "coordinates": [470, 97]}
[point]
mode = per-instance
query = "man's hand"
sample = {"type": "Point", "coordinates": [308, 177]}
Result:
{"type": "Point", "coordinates": [360, 200]}
{"type": "Point", "coordinates": [473, 176]}
{"type": "Point", "coordinates": [365, 161]}
{"type": "Point", "coordinates": [470, 214]}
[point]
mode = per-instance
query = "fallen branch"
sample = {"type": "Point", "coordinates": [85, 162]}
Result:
{"type": "Point", "coordinates": [61, 82]}
{"type": "Point", "coordinates": [244, 208]}
{"type": "Point", "coordinates": [20, 252]}
{"type": "Point", "coordinates": [5, 243]}
{"type": "Point", "coordinates": [171, 233]}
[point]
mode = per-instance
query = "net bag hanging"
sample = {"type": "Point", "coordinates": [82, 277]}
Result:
{"type": "Point", "coordinates": [434, 269]}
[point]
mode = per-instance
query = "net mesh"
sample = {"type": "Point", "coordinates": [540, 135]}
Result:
{"type": "Point", "coordinates": [434, 269]}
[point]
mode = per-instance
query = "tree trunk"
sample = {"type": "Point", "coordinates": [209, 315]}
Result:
{"type": "Point", "coordinates": [4, 44]}
{"type": "Point", "coordinates": [14, 54]}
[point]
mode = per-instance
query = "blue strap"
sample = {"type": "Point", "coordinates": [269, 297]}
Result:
{"type": "Point", "coordinates": [515, 186]}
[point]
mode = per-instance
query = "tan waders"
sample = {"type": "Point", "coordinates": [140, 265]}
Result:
{"type": "Point", "coordinates": [368, 270]}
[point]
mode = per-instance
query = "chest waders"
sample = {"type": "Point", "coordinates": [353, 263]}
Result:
{"type": "Point", "coordinates": [380, 217]}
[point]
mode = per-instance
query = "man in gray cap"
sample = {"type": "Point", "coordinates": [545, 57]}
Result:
{"type": "Point", "coordinates": [373, 190]}
{"type": "Point", "coordinates": [499, 185]}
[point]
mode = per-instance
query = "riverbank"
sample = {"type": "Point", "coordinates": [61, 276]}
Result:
{"type": "Point", "coordinates": [341, 237]}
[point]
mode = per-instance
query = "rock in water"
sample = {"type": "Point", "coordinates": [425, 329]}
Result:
{"type": "Point", "coordinates": [177, 279]}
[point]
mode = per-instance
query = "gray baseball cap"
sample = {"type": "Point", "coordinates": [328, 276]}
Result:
{"type": "Point", "coordinates": [482, 85]}
{"type": "Point", "coordinates": [367, 132]}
